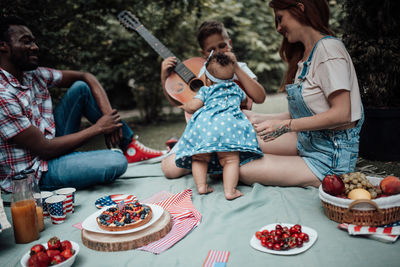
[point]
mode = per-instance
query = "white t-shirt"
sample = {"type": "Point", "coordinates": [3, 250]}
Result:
{"type": "Point", "coordinates": [331, 69]}
{"type": "Point", "coordinates": [246, 69]}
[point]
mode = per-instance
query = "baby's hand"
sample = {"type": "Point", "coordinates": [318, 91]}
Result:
{"type": "Point", "coordinates": [232, 56]}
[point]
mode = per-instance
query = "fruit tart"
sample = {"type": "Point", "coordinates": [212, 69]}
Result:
{"type": "Point", "coordinates": [124, 217]}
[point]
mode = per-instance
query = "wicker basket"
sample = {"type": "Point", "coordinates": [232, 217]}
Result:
{"type": "Point", "coordinates": [376, 212]}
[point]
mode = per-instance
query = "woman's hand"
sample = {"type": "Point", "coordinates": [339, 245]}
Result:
{"type": "Point", "coordinates": [269, 130]}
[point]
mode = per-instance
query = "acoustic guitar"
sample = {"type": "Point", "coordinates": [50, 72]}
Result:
{"type": "Point", "coordinates": [182, 84]}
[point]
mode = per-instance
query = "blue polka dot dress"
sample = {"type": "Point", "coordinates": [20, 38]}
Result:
{"type": "Point", "coordinates": [218, 126]}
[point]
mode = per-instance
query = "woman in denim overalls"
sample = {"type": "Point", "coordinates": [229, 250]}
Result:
{"type": "Point", "coordinates": [303, 146]}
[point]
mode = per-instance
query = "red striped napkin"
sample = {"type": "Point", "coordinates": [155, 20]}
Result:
{"type": "Point", "coordinates": [387, 234]}
{"type": "Point", "coordinates": [215, 256]}
{"type": "Point", "coordinates": [184, 218]}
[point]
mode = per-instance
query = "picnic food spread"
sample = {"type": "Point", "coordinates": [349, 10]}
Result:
{"type": "Point", "coordinates": [360, 200]}
{"type": "Point", "coordinates": [124, 217]}
{"type": "Point", "coordinates": [282, 237]}
{"type": "Point", "coordinates": [356, 186]}
{"type": "Point", "coordinates": [56, 252]}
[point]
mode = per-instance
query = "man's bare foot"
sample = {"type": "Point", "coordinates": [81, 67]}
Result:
{"type": "Point", "coordinates": [232, 194]}
{"type": "Point", "coordinates": [204, 189]}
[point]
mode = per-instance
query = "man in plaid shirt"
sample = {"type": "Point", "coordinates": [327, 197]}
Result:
{"type": "Point", "coordinates": [32, 136]}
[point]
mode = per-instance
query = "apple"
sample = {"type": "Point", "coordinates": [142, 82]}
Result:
{"type": "Point", "coordinates": [390, 185]}
{"type": "Point", "coordinates": [333, 185]}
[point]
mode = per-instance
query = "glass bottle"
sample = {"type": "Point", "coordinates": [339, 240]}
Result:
{"type": "Point", "coordinates": [23, 210]}
{"type": "Point", "coordinates": [37, 196]}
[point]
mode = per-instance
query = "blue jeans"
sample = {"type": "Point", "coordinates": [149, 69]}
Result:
{"type": "Point", "coordinates": [83, 169]}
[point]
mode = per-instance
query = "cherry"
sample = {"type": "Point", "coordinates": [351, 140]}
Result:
{"type": "Point", "coordinates": [298, 226]}
{"type": "Point", "coordinates": [259, 235]}
{"type": "Point", "coordinates": [299, 243]}
{"type": "Point", "coordinates": [278, 227]}
{"type": "Point", "coordinates": [285, 235]}
{"type": "Point", "coordinates": [272, 232]}
{"type": "Point", "coordinates": [278, 232]}
{"type": "Point", "coordinates": [293, 230]}
{"type": "Point", "coordinates": [304, 237]}
{"type": "Point", "coordinates": [276, 246]}
{"type": "Point", "coordinates": [276, 239]}
{"type": "Point", "coordinates": [265, 232]}
{"type": "Point", "coordinates": [285, 246]}
{"type": "Point", "coordinates": [270, 245]}
{"type": "Point", "coordinates": [264, 242]}
{"type": "Point", "coordinates": [292, 244]}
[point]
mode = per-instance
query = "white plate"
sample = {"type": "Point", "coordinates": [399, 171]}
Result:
{"type": "Point", "coordinates": [312, 234]}
{"type": "Point", "coordinates": [90, 223]}
{"type": "Point", "coordinates": [67, 263]}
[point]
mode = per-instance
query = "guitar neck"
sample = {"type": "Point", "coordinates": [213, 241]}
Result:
{"type": "Point", "coordinates": [154, 42]}
{"type": "Point", "coordinates": [164, 52]}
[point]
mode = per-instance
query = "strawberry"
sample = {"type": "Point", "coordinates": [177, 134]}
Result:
{"type": "Point", "coordinates": [65, 244]}
{"type": "Point", "coordinates": [54, 243]}
{"type": "Point", "coordinates": [52, 252]}
{"type": "Point", "coordinates": [37, 248]}
{"type": "Point", "coordinates": [67, 253]}
{"type": "Point", "coordinates": [33, 260]}
{"type": "Point", "coordinates": [57, 259]}
{"type": "Point", "coordinates": [42, 259]}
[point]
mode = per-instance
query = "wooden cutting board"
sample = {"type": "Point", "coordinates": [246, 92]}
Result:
{"type": "Point", "coordinates": [113, 242]}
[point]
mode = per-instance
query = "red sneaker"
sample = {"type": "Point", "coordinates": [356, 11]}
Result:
{"type": "Point", "coordinates": [136, 151]}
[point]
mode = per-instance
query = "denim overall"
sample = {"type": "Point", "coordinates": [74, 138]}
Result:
{"type": "Point", "coordinates": [324, 151]}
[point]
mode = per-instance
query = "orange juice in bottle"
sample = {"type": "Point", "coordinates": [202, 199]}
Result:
{"type": "Point", "coordinates": [23, 210]}
{"type": "Point", "coordinates": [37, 196]}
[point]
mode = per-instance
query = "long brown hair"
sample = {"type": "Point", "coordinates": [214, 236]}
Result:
{"type": "Point", "coordinates": [316, 14]}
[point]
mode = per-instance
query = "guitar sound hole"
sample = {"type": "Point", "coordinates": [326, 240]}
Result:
{"type": "Point", "coordinates": [195, 84]}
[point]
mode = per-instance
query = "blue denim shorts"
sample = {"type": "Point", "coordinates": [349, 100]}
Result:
{"type": "Point", "coordinates": [329, 152]}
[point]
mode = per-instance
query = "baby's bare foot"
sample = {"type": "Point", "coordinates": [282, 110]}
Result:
{"type": "Point", "coordinates": [204, 189]}
{"type": "Point", "coordinates": [233, 194]}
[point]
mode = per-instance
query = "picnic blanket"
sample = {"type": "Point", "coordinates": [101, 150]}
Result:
{"type": "Point", "coordinates": [225, 226]}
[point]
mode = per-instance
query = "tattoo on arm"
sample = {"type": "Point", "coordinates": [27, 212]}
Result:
{"type": "Point", "coordinates": [278, 132]}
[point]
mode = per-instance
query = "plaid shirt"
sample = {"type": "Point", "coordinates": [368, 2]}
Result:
{"type": "Point", "coordinates": [23, 105]}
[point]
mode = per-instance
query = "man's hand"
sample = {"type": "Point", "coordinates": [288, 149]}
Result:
{"type": "Point", "coordinates": [114, 139]}
{"type": "Point", "coordinates": [110, 122]}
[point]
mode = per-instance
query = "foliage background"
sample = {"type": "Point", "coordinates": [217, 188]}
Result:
{"type": "Point", "coordinates": [85, 35]}
{"type": "Point", "coordinates": [373, 39]}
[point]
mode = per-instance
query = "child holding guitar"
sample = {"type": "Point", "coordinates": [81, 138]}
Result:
{"type": "Point", "coordinates": [218, 137]}
{"type": "Point", "coordinates": [212, 35]}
